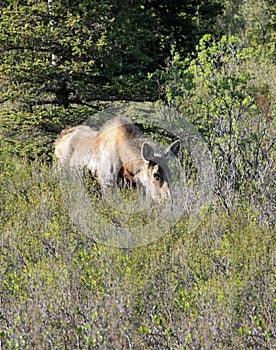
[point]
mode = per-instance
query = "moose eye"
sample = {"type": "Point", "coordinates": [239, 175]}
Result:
{"type": "Point", "coordinates": [157, 177]}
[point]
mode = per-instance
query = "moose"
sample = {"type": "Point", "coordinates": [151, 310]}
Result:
{"type": "Point", "coordinates": [118, 156]}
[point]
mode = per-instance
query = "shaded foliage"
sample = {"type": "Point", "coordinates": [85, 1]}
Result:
{"type": "Point", "coordinates": [228, 93]}
{"type": "Point", "coordinates": [64, 55]}
{"type": "Point", "coordinates": [82, 52]}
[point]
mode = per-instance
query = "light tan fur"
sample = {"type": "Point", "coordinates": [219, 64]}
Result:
{"type": "Point", "coordinates": [117, 155]}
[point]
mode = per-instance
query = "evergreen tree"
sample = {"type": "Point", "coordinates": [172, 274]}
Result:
{"type": "Point", "coordinates": [62, 59]}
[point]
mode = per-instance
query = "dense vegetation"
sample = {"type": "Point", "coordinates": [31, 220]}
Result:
{"type": "Point", "coordinates": [212, 287]}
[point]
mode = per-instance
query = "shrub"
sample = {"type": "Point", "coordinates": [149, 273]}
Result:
{"type": "Point", "coordinates": [211, 288]}
{"type": "Point", "coordinates": [228, 93]}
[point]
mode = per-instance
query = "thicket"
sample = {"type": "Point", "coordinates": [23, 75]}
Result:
{"type": "Point", "coordinates": [208, 288]}
{"type": "Point", "coordinates": [228, 92]}
{"type": "Point", "coordinates": [211, 288]}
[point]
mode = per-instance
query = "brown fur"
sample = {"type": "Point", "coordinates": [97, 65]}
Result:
{"type": "Point", "coordinates": [117, 155]}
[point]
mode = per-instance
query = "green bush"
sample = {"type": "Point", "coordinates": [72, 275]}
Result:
{"type": "Point", "coordinates": [228, 93]}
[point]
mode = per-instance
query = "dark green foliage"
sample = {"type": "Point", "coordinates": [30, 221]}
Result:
{"type": "Point", "coordinates": [83, 52]}
{"type": "Point", "coordinates": [95, 42]}
{"type": "Point", "coordinates": [69, 54]}
{"type": "Point", "coordinates": [228, 92]}
{"type": "Point", "coordinates": [182, 23]}
{"type": "Point", "coordinates": [30, 135]}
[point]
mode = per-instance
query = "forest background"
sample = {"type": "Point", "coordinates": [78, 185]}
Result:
{"type": "Point", "coordinates": [62, 61]}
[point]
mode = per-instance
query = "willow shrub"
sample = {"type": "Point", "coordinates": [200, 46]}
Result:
{"type": "Point", "coordinates": [228, 93]}
{"type": "Point", "coordinates": [210, 288]}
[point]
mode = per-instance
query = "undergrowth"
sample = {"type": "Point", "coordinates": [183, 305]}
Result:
{"type": "Point", "coordinates": [212, 288]}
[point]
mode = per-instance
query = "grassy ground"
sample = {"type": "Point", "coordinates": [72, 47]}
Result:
{"type": "Point", "coordinates": [212, 288]}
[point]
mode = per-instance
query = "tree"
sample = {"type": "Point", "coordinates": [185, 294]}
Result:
{"type": "Point", "coordinates": [98, 57]}
{"type": "Point", "coordinates": [252, 20]}
{"type": "Point", "coordinates": [228, 92]}
{"type": "Point", "coordinates": [102, 52]}
{"type": "Point", "coordinates": [62, 60]}
{"type": "Point", "coordinates": [182, 23]}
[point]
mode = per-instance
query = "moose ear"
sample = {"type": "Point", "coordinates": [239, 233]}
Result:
{"type": "Point", "coordinates": [172, 150]}
{"type": "Point", "coordinates": [147, 152]}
